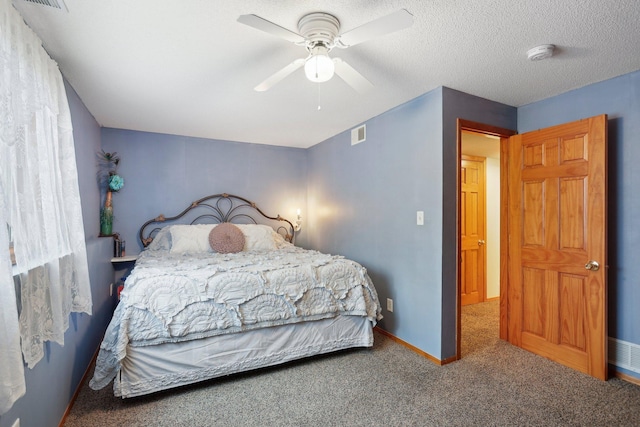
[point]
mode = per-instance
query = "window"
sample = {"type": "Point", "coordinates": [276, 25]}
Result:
{"type": "Point", "coordinates": [40, 202]}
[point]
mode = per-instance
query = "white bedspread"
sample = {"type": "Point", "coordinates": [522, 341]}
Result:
{"type": "Point", "coordinates": [180, 297]}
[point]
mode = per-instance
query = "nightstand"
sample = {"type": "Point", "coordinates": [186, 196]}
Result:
{"type": "Point", "coordinates": [122, 267]}
{"type": "Point", "coordinates": [128, 258]}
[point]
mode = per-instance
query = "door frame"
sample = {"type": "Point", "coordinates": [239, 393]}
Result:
{"type": "Point", "coordinates": [503, 134]}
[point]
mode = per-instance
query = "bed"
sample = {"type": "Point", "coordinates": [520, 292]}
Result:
{"type": "Point", "coordinates": [188, 313]}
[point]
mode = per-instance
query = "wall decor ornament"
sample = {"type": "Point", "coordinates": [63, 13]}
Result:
{"type": "Point", "coordinates": [112, 183]}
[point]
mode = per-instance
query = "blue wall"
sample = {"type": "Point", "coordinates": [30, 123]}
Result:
{"type": "Point", "coordinates": [619, 98]}
{"type": "Point", "coordinates": [362, 204]}
{"type": "Point", "coordinates": [163, 174]}
{"type": "Point", "coordinates": [363, 201]}
{"type": "Point", "coordinates": [54, 380]}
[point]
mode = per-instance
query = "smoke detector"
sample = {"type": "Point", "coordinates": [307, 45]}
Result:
{"type": "Point", "coordinates": [541, 52]}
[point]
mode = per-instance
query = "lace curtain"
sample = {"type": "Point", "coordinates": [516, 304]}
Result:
{"type": "Point", "coordinates": [40, 201]}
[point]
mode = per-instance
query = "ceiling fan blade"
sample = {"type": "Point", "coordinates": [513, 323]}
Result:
{"type": "Point", "coordinates": [353, 78]}
{"type": "Point", "coordinates": [387, 24]}
{"type": "Point", "coordinates": [271, 28]}
{"type": "Point", "coordinates": [279, 75]}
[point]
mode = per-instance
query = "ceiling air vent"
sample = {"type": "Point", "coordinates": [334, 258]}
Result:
{"type": "Point", "coordinates": [358, 134]}
{"type": "Point", "coordinates": [58, 4]}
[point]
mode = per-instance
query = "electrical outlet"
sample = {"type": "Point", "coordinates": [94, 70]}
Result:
{"type": "Point", "coordinates": [390, 305]}
{"type": "Point", "coordinates": [111, 290]}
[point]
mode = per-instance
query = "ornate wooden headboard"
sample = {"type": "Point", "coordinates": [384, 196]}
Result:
{"type": "Point", "coordinates": [216, 209]}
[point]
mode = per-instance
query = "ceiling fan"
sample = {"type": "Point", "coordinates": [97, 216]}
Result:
{"type": "Point", "coordinates": [319, 34]}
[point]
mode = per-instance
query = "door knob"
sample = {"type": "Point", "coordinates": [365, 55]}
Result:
{"type": "Point", "coordinates": [480, 242]}
{"type": "Point", "coordinates": [592, 266]}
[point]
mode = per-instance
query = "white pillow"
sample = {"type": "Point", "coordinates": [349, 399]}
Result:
{"type": "Point", "coordinates": [279, 240]}
{"type": "Point", "coordinates": [258, 237]}
{"type": "Point", "coordinates": [162, 240]}
{"type": "Point", "coordinates": [190, 238]}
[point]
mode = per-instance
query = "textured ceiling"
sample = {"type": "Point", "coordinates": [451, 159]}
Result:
{"type": "Point", "coordinates": [188, 67]}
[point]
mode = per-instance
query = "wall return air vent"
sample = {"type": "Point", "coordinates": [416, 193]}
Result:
{"type": "Point", "coordinates": [624, 354]}
{"type": "Point", "coordinates": [358, 134]}
{"type": "Point", "coordinates": [58, 4]}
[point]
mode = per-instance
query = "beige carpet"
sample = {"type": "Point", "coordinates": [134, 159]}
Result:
{"type": "Point", "coordinates": [494, 384]}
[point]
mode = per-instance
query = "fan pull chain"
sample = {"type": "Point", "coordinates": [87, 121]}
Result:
{"type": "Point", "coordinates": [319, 106]}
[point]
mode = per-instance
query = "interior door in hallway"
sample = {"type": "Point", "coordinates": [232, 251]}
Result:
{"type": "Point", "coordinates": [472, 230]}
{"type": "Point", "coordinates": [557, 287]}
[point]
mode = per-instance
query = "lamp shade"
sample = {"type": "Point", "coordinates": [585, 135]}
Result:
{"type": "Point", "coordinates": [319, 68]}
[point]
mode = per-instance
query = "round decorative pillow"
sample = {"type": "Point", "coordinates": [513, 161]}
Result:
{"type": "Point", "coordinates": [226, 238]}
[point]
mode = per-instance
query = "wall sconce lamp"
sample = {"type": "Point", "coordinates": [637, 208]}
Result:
{"type": "Point", "coordinates": [298, 223]}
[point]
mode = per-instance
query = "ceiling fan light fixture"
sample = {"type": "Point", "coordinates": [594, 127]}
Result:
{"type": "Point", "coordinates": [319, 33]}
{"type": "Point", "coordinates": [319, 67]}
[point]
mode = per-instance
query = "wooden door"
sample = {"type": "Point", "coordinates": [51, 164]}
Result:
{"type": "Point", "coordinates": [557, 226]}
{"type": "Point", "coordinates": [472, 230]}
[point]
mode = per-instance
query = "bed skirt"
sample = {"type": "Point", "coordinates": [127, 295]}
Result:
{"type": "Point", "coordinates": [159, 367]}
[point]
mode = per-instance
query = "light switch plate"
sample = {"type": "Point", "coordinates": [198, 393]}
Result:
{"type": "Point", "coordinates": [420, 218]}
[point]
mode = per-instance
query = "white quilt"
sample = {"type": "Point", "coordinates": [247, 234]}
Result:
{"type": "Point", "coordinates": [179, 297]}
